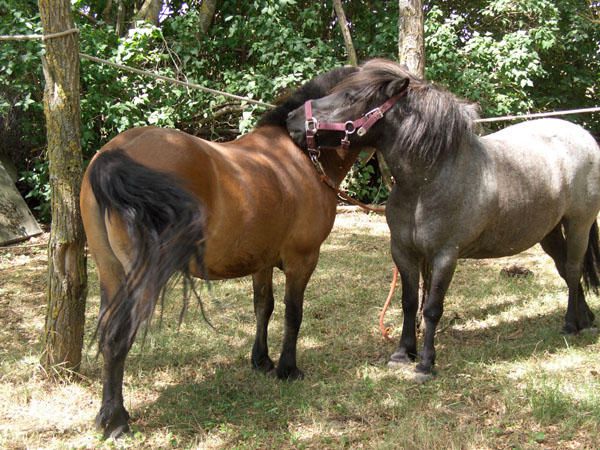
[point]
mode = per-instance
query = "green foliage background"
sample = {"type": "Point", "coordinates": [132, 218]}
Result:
{"type": "Point", "coordinates": [510, 56]}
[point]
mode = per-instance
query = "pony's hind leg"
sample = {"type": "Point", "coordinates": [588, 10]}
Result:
{"type": "Point", "coordinates": [262, 284]}
{"type": "Point", "coordinates": [115, 340]}
{"type": "Point", "coordinates": [568, 255]}
{"type": "Point", "coordinates": [112, 419]}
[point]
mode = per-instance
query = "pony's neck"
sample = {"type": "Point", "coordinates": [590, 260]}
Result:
{"type": "Point", "coordinates": [335, 162]}
{"type": "Point", "coordinates": [338, 162]}
{"type": "Point", "coordinates": [411, 174]}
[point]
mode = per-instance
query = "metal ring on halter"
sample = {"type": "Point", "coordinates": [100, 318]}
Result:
{"type": "Point", "coordinates": [349, 128]}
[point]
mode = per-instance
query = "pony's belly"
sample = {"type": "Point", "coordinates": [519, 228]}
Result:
{"type": "Point", "coordinates": [497, 244]}
{"type": "Point", "coordinates": [238, 265]}
{"type": "Point", "coordinates": [483, 253]}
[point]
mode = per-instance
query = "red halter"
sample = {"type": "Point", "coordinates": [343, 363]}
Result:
{"type": "Point", "coordinates": [361, 125]}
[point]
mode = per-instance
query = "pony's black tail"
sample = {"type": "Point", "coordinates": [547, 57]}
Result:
{"type": "Point", "coordinates": [591, 262]}
{"type": "Point", "coordinates": [165, 224]}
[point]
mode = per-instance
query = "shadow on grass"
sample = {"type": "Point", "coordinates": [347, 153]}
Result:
{"type": "Point", "coordinates": [204, 383]}
{"type": "Point", "coordinates": [245, 404]}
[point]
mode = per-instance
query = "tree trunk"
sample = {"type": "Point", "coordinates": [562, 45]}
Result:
{"type": "Point", "coordinates": [207, 13]}
{"type": "Point", "coordinates": [106, 12]}
{"type": "Point", "coordinates": [339, 11]}
{"type": "Point", "coordinates": [411, 51]}
{"type": "Point", "coordinates": [411, 47]}
{"type": "Point", "coordinates": [67, 276]}
{"type": "Point", "coordinates": [120, 28]}
{"type": "Point", "coordinates": [150, 11]}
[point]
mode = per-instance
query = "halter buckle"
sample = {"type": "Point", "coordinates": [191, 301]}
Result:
{"type": "Point", "coordinates": [375, 111]}
{"type": "Point", "coordinates": [311, 125]}
{"type": "Point", "coordinates": [369, 120]}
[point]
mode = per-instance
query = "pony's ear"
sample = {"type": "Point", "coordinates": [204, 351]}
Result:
{"type": "Point", "coordinates": [396, 86]}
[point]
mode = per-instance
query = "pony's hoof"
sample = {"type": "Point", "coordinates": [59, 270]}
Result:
{"type": "Point", "coordinates": [290, 374]}
{"type": "Point", "coordinates": [569, 329]}
{"type": "Point", "coordinates": [265, 366]}
{"type": "Point", "coordinates": [112, 421]}
{"type": "Point", "coordinates": [421, 377]}
{"type": "Point", "coordinates": [117, 432]}
{"type": "Point", "coordinates": [424, 369]}
{"type": "Point", "coordinates": [400, 359]}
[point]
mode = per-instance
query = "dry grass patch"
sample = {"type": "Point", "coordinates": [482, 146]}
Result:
{"type": "Point", "coordinates": [507, 377]}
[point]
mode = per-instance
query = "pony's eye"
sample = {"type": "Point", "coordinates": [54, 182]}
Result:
{"type": "Point", "coordinates": [348, 98]}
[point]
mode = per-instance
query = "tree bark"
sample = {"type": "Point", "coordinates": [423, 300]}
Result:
{"type": "Point", "coordinates": [149, 11]}
{"type": "Point", "coordinates": [207, 13]}
{"type": "Point", "coordinates": [339, 11]}
{"type": "Point", "coordinates": [106, 12]}
{"type": "Point", "coordinates": [120, 28]}
{"type": "Point", "coordinates": [411, 46]}
{"type": "Point", "coordinates": [67, 276]}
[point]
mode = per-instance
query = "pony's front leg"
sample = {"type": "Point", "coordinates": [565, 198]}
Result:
{"type": "Point", "coordinates": [262, 283]}
{"type": "Point", "coordinates": [409, 274]}
{"type": "Point", "coordinates": [442, 270]}
{"type": "Point", "coordinates": [297, 274]}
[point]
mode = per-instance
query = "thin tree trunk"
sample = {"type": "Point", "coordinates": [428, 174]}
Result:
{"type": "Point", "coordinates": [207, 13]}
{"type": "Point", "coordinates": [120, 23]}
{"type": "Point", "coordinates": [411, 47]}
{"type": "Point", "coordinates": [339, 11]}
{"type": "Point", "coordinates": [67, 276]}
{"type": "Point", "coordinates": [149, 11]}
{"type": "Point", "coordinates": [411, 52]}
{"type": "Point", "coordinates": [106, 12]}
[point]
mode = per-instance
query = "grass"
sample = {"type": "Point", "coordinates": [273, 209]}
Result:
{"type": "Point", "coordinates": [506, 377]}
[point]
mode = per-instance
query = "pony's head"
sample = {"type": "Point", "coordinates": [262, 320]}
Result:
{"type": "Point", "coordinates": [319, 86]}
{"type": "Point", "coordinates": [423, 120]}
{"type": "Point", "coordinates": [360, 92]}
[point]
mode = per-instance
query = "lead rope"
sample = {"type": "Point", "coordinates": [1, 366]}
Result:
{"type": "Point", "coordinates": [314, 157]}
{"type": "Point", "coordinates": [384, 330]}
{"type": "Point", "coordinates": [360, 126]}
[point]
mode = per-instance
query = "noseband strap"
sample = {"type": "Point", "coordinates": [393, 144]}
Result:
{"type": "Point", "coordinates": [360, 125]}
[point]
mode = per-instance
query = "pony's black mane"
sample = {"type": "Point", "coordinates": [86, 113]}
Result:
{"type": "Point", "coordinates": [316, 88]}
{"type": "Point", "coordinates": [432, 122]}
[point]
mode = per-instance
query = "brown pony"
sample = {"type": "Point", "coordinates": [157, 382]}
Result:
{"type": "Point", "coordinates": [158, 201]}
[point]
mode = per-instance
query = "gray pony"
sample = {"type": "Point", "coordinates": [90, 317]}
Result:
{"type": "Point", "coordinates": [458, 195]}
